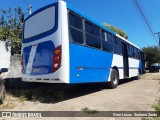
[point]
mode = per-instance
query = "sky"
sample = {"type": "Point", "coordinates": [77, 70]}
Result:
{"type": "Point", "coordinates": [123, 14]}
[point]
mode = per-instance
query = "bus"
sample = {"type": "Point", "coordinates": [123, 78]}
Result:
{"type": "Point", "coordinates": [62, 45]}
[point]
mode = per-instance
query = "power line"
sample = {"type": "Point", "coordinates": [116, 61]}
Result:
{"type": "Point", "coordinates": [156, 8]}
{"type": "Point", "coordinates": [145, 18]}
{"type": "Point", "coordinates": [129, 23]}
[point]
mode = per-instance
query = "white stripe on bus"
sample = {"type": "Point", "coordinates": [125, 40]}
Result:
{"type": "Point", "coordinates": [31, 58]}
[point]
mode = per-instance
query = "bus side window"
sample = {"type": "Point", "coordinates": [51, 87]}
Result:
{"type": "Point", "coordinates": [129, 50]}
{"type": "Point", "coordinates": [115, 40]}
{"type": "Point", "coordinates": [75, 28]}
{"type": "Point", "coordinates": [134, 55]}
{"type": "Point", "coordinates": [96, 31]}
{"type": "Point", "coordinates": [139, 54]}
{"type": "Point", "coordinates": [109, 37]}
{"type": "Point", "coordinates": [117, 49]}
{"type": "Point", "coordinates": [75, 21]}
{"type": "Point", "coordinates": [93, 41]}
{"type": "Point", "coordinates": [71, 19]}
{"type": "Point", "coordinates": [107, 46]}
{"type": "Point", "coordinates": [88, 27]}
{"type": "Point", "coordinates": [92, 35]}
{"type": "Point", "coordinates": [103, 35]}
{"type": "Point", "coordinates": [119, 42]}
{"type": "Point", "coordinates": [76, 36]}
{"type": "Point", "coordinates": [79, 24]}
{"type": "Point", "coordinates": [117, 46]}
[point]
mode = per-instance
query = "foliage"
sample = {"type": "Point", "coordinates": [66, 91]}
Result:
{"type": "Point", "coordinates": [117, 30]}
{"type": "Point", "coordinates": [152, 54]}
{"type": "Point", "coordinates": [11, 28]}
{"type": "Point", "coordinates": [157, 105]}
{"type": "Point", "coordinates": [88, 110]}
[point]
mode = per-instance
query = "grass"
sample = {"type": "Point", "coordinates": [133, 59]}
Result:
{"type": "Point", "coordinates": [88, 110]}
{"type": "Point", "coordinates": [41, 94]}
{"type": "Point", "coordinates": [22, 98]}
{"type": "Point", "coordinates": [44, 94]}
{"type": "Point", "coordinates": [153, 118]}
{"type": "Point", "coordinates": [157, 109]}
{"type": "Point", "coordinates": [9, 103]}
{"type": "Point", "coordinates": [157, 105]}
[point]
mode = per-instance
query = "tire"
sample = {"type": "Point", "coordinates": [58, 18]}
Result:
{"type": "Point", "coordinates": [114, 79]}
{"type": "Point", "coordinates": [157, 70]}
{"type": "Point", "coordinates": [2, 95]}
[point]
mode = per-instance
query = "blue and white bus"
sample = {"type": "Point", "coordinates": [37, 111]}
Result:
{"type": "Point", "coordinates": [62, 45]}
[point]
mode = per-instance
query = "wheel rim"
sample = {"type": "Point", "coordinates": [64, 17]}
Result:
{"type": "Point", "coordinates": [115, 80]}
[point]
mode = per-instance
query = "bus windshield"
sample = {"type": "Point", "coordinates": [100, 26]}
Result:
{"type": "Point", "coordinates": [40, 22]}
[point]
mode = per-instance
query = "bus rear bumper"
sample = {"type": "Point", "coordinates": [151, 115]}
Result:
{"type": "Point", "coordinates": [43, 80]}
{"type": "Point", "coordinates": [56, 77]}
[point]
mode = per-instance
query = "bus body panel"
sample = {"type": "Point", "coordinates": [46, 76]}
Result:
{"type": "Point", "coordinates": [118, 62]}
{"type": "Point", "coordinates": [35, 59]}
{"type": "Point", "coordinates": [33, 55]}
{"type": "Point", "coordinates": [88, 64]}
{"type": "Point", "coordinates": [79, 63]}
{"type": "Point", "coordinates": [133, 67]}
{"type": "Point", "coordinates": [65, 42]}
{"type": "Point", "coordinates": [141, 67]}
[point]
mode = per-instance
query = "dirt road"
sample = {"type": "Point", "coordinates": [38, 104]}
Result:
{"type": "Point", "coordinates": [131, 95]}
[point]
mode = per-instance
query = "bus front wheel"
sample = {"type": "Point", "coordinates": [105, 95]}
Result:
{"type": "Point", "coordinates": [114, 79]}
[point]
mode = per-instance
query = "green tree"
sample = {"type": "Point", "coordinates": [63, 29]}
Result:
{"type": "Point", "coordinates": [117, 30]}
{"type": "Point", "coordinates": [152, 54]}
{"type": "Point", "coordinates": [11, 28]}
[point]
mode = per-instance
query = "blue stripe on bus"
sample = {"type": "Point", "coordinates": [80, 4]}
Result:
{"type": "Point", "coordinates": [84, 58]}
{"type": "Point", "coordinates": [26, 53]}
{"type": "Point", "coordinates": [42, 35]}
{"type": "Point", "coordinates": [90, 19]}
{"type": "Point", "coordinates": [140, 66]}
{"type": "Point", "coordinates": [42, 63]}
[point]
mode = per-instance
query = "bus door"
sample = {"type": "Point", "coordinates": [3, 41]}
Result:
{"type": "Point", "coordinates": [125, 59]}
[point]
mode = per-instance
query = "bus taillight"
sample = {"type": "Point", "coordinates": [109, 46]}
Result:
{"type": "Point", "coordinates": [56, 63]}
{"type": "Point", "coordinates": [22, 64]}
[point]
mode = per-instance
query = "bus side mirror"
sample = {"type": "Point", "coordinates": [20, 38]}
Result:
{"type": "Point", "coordinates": [3, 70]}
{"type": "Point", "coordinates": [22, 18]}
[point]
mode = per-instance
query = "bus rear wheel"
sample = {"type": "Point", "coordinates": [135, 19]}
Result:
{"type": "Point", "coordinates": [114, 79]}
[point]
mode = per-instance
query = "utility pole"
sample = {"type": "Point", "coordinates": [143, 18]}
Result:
{"type": "Point", "coordinates": [30, 9]}
{"type": "Point", "coordinates": [158, 38]}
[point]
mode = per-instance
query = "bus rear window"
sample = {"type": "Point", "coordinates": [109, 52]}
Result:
{"type": "Point", "coordinates": [40, 23]}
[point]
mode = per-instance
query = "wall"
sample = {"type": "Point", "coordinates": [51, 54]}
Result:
{"type": "Point", "coordinates": [15, 66]}
{"type": "Point", "coordinates": [4, 57]}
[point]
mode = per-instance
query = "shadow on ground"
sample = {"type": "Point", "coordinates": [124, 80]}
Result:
{"type": "Point", "coordinates": [52, 93]}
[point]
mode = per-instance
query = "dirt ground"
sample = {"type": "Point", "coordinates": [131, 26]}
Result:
{"type": "Point", "coordinates": [130, 95]}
